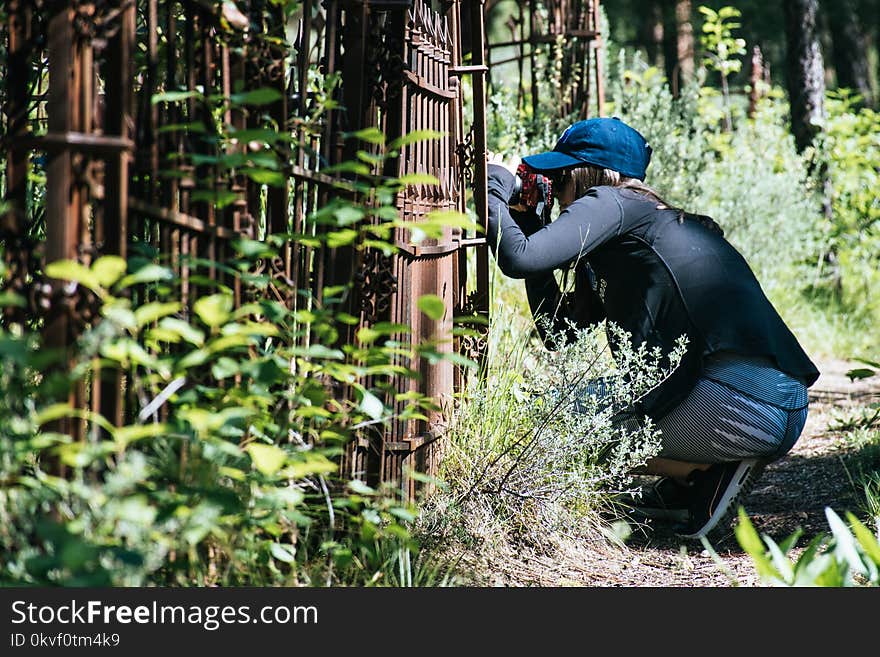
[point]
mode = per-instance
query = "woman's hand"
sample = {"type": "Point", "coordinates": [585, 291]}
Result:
{"type": "Point", "coordinates": [511, 165]}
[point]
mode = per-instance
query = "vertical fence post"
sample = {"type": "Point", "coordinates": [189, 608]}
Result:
{"type": "Point", "coordinates": [478, 50]}
{"type": "Point", "coordinates": [64, 201]}
{"type": "Point", "coordinates": [119, 123]}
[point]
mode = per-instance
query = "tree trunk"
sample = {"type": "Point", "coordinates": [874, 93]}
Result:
{"type": "Point", "coordinates": [685, 39]}
{"type": "Point", "coordinates": [849, 48]}
{"type": "Point", "coordinates": [806, 72]}
{"type": "Point", "coordinates": [651, 32]}
{"type": "Point", "coordinates": [678, 43]}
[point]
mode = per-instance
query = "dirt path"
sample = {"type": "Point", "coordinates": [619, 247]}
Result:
{"type": "Point", "coordinates": [792, 492]}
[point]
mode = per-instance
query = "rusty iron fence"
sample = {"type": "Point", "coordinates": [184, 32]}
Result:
{"type": "Point", "coordinates": [83, 130]}
{"type": "Point", "coordinates": [548, 33]}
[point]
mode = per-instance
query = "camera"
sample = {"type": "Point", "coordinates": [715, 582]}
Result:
{"type": "Point", "coordinates": [533, 190]}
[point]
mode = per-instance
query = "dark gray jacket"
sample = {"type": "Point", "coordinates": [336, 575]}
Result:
{"type": "Point", "coordinates": [655, 276]}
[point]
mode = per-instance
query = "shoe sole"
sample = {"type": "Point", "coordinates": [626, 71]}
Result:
{"type": "Point", "coordinates": [740, 485]}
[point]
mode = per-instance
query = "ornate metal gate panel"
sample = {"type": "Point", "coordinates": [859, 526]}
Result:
{"type": "Point", "coordinates": [134, 163]}
{"type": "Point", "coordinates": [417, 49]}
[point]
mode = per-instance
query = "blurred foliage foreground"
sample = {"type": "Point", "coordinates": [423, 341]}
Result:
{"type": "Point", "coordinates": [229, 473]}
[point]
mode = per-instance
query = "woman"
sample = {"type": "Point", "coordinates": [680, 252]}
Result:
{"type": "Point", "coordinates": [738, 399]}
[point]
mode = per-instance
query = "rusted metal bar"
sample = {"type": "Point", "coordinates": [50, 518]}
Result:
{"type": "Point", "coordinates": [181, 220]}
{"type": "Point", "coordinates": [481, 301]}
{"type": "Point", "coordinates": [64, 199]}
{"type": "Point", "coordinates": [542, 38]}
{"type": "Point", "coordinates": [598, 50]}
{"type": "Point", "coordinates": [119, 108]}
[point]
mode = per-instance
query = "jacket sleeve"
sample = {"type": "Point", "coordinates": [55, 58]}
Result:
{"type": "Point", "coordinates": [586, 224]}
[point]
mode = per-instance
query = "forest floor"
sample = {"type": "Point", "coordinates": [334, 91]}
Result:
{"type": "Point", "coordinates": [792, 492]}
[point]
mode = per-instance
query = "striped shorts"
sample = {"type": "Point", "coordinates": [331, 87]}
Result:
{"type": "Point", "coordinates": [740, 408]}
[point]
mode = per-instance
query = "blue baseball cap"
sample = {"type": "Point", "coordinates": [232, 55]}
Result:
{"type": "Point", "coordinates": [603, 142]}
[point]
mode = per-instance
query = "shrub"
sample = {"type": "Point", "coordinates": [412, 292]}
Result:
{"type": "Point", "coordinates": [533, 457]}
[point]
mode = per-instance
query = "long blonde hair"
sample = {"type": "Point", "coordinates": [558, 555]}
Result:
{"type": "Point", "coordinates": [585, 177]}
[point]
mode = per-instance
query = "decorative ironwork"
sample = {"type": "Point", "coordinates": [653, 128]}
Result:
{"type": "Point", "coordinates": [376, 285]}
{"type": "Point", "coordinates": [385, 61]}
{"type": "Point", "coordinates": [466, 156]}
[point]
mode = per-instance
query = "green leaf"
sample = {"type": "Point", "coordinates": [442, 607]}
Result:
{"type": "Point", "coordinates": [268, 459]}
{"type": "Point", "coordinates": [319, 351]}
{"type": "Point", "coordinates": [419, 179]}
{"type": "Point", "coordinates": [432, 306]}
{"type": "Point", "coordinates": [58, 411]}
{"type": "Point", "coordinates": [750, 542]}
{"type": "Point", "coordinates": [313, 464]}
{"type": "Point", "coordinates": [131, 433]}
{"type": "Point", "coordinates": [415, 136]}
{"type": "Point", "coordinates": [193, 359]}
{"type": "Point", "coordinates": [253, 248]}
{"type": "Point", "coordinates": [10, 298]}
{"type": "Point", "coordinates": [361, 488]}
{"type": "Point", "coordinates": [70, 270]}
{"type": "Point", "coordinates": [287, 497]}
{"type": "Point", "coordinates": [152, 311]}
{"type": "Point", "coordinates": [120, 315]}
{"type": "Point", "coordinates": [369, 135]}
{"type": "Point", "coordinates": [213, 310]}
{"type": "Point", "coordinates": [780, 561]}
{"type": "Point", "coordinates": [266, 177]}
{"type": "Point", "coordinates": [220, 198]}
{"type": "Point", "coordinates": [228, 342]}
{"type": "Point", "coordinates": [341, 238]}
{"type": "Point", "coordinates": [250, 328]}
{"type": "Point", "coordinates": [370, 158]}
{"type": "Point", "coordinates": [53, 412]}
{"type": "Point", "coordinates": [463, 361]}
{"type": "Point", "coordinates": [388, 328]}
{"type": "Point", "coordinates": [109, 269]}
{"type": "Point", "coordinates": [283, 552]}
{"type": "Point", "coordinates": [193, 126]}
{"type": "Point", "coordinates": [788, 544]}
{"type": "Point", "coordinates": [184, 330]}
{"type": "Point", "coordinates": [349, 166]}
{"type": "Point", "coordinates": [866, 539]}
{"type": "Point", "coordinates": [371, 405]}
{"type": "Point", "coordinates": [860, 373]}
{"type": "Point", "coordinates": [452, 219]}
{"type": "Point", "coordinates": [404, 514]}
{"type": "Point", "coordinates": [347, 215]}
{"type": "Point", "coordinates": [802, 567]}
{"type": "Point", "coordinates": [147, 274]}
{"type": "Point", "coordinates": [224, 368]}
{"type": "Point", "coordinates": [845, 546]}
{"type": "Point", "coordinates": [232, 473]}
{"type": "Point", "coordinates": [262, 96]}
